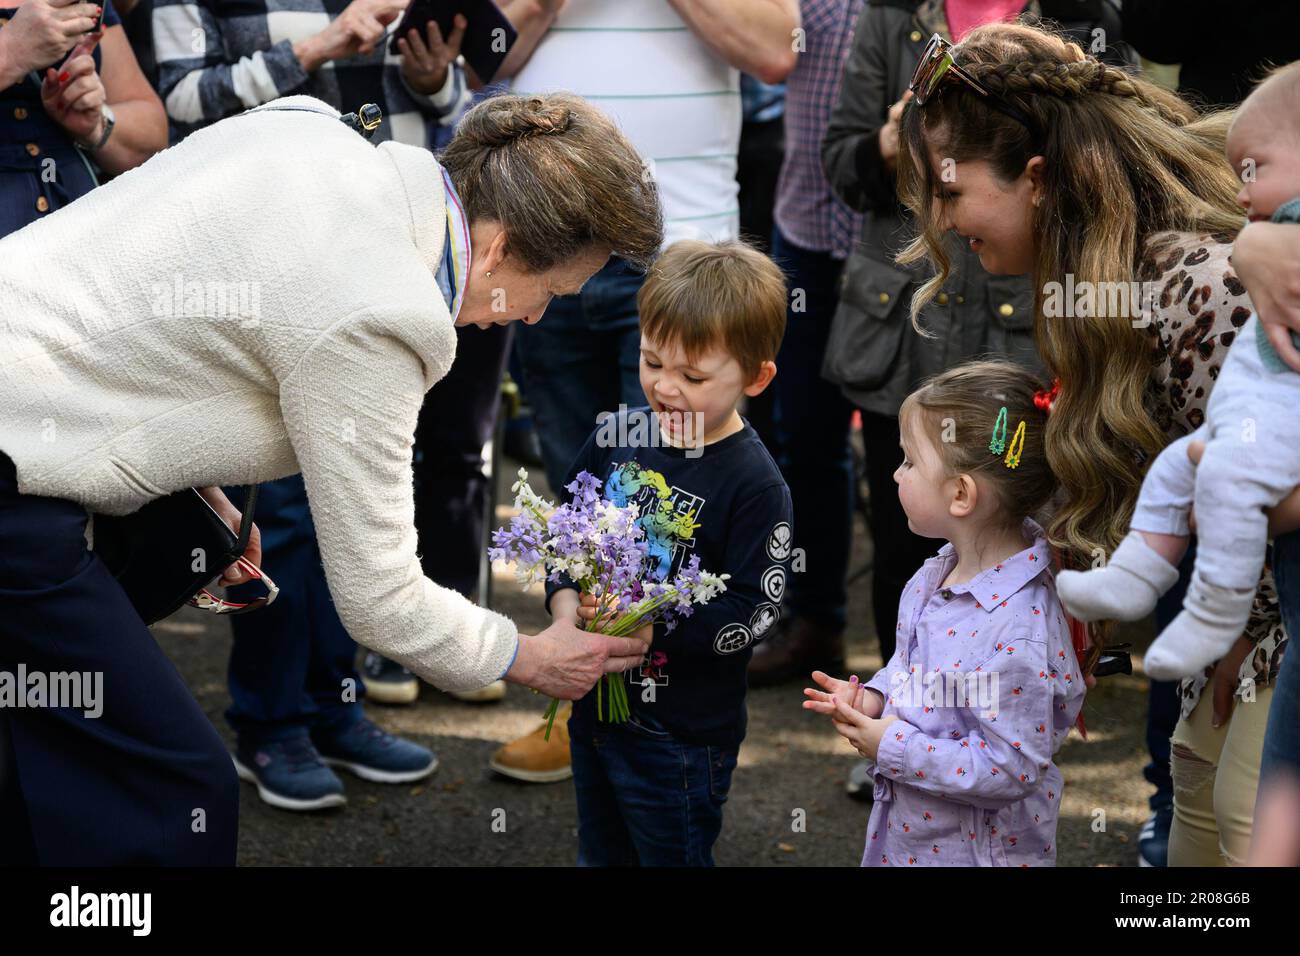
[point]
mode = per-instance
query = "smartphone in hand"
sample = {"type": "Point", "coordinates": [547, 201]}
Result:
{"type": "Point", "coordinates": [488, 36]}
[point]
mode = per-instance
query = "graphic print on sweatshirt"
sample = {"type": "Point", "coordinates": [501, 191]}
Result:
{"type": "Point", "coordinates": [669, 517]}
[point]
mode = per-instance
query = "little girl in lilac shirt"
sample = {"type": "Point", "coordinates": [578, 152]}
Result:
{"type": "Point", "coordinates": [962, 723]}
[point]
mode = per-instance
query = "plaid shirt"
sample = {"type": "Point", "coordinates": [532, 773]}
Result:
{"type": "Point", "coordinates": [806, 211]}
{"type": "Point", "coordinates": [220, 57]}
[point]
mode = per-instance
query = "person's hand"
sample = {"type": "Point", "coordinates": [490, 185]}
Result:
{"type": "Point", "coordinates": [1226, 680]}
{"type": "Point", "coordinates": [424, 63]}
{"type": "Point", "coordinates": [565, 661]}
{"type": "Point", "coordinates": [890, 131]}
{"type": "Point", "coordinates": [853, 691]}
{"type": "Point", "coordinates": [42, 31]}
{"type": "Point", "coordinates": [1266, 257]}
{"type": "Point", "coordinates": [587, 607]}
{"type": "Point", "coordinates": [357, 30]}
{"type": "Point", "coordinates": [73, 99]}
{"type": "Point", "coordinates": [232, 516]}
{"type": "Point", "coordinates": [863, 732]}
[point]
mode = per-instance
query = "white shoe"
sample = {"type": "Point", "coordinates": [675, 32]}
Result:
{"type": "Point", "coordinates": [484, 695]}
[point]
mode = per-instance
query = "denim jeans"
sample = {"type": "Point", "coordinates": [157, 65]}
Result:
{"type": "Point", "coordinates": [291, 662]}
{"type": "Point", "coordinates": [645, 798]}
{"type": "Point", "coordinates": [812, 419]}
{"type": "Point", "coordinates": [1282, 738]}
{"type": "Point", "coordinates": [581, 359]}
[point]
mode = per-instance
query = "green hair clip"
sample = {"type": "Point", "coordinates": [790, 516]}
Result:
{"type": "Point", "coordinates": [999, 443]}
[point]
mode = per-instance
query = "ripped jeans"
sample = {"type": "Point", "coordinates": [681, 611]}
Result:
{"type": "Point", "coordinates": [1216, 774]}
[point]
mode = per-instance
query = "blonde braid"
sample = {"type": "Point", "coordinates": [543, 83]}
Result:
{"type": "Point", "coordinates": [1075, 79]}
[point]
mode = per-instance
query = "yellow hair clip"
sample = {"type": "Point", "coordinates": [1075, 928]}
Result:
{"type": "Point", "coordinates": [1017, 446]}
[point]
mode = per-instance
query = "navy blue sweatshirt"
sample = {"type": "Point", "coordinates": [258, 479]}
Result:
{"type": "Point", "coordinates": [692, 683]}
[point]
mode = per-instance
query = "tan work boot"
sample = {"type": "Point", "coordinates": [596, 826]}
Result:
{"type": "Point", "coordinates": [534, 759]}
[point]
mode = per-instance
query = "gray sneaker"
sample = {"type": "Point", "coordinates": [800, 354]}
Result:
{"type": "Point", "coordinates": [861, 785]}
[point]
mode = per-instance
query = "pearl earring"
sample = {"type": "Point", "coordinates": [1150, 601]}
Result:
{"type": "Point", "coordinates": [489, 274]}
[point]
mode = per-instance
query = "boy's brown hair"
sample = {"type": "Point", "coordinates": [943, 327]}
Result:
{"type": "Point", "coordinates": [701, 295]}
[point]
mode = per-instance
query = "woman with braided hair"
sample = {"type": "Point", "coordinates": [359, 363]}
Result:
{"type": "Point", "coordinates": [1050, 163]}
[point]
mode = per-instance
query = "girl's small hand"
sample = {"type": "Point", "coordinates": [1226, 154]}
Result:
{"type": "Point", "coordinates": [863, 732]}
{"type": "Point", "coordinates": [852, 690]}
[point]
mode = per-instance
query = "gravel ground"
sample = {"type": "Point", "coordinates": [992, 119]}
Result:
{"type": "Point", "coordinates": [790, 761]}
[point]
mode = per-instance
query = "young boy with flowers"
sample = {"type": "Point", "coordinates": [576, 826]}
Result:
{"type": "Point", "coordinates": [650, 789]}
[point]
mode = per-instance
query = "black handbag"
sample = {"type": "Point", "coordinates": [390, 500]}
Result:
{"type": "Point", "coordinates": [170, 550]}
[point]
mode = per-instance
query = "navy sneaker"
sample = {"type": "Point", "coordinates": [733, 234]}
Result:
{"type": "Point", "coordinates": [289, 774]}
{"type": "Point", "coordinates": [1153, 839]}
{"type": "Point", "coordinates": [388, 682]}
{"type": "Point", "coordinates": [371, 753]}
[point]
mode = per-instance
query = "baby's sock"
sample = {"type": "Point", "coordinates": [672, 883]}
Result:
{"type": "Point", "coordinates": [1126, 589]}
{"type": "Point", "coordinates": [1211, 621]}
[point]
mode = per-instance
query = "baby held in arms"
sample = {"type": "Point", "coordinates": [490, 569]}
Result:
{"type": "Point", "coordinates": [1252, 449]}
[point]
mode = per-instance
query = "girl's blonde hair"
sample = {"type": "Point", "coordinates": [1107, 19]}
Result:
{"type": "Point", "coordinates": [1124, 159]}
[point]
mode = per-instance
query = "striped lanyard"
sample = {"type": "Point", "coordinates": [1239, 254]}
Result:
{"type": "Point", "coordinates": [457, 251]}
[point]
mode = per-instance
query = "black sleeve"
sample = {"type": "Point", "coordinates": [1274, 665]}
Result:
{"type": "Point", "coordinates": [591, 459]}
{"type": "Point", "coordinates": [758, 558]}
{"type": "Point", "coordinates": [851, 147]}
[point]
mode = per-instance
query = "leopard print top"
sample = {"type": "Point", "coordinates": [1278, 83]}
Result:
{"type": "Point", "coordinates": [1199, 308]}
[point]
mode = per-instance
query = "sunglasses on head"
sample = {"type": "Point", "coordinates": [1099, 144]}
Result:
{"type": "Point", "coordinates": [937, 66]}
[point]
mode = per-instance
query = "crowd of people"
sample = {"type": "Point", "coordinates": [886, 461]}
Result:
{"type": "Point", "coordinates": [804, 225]}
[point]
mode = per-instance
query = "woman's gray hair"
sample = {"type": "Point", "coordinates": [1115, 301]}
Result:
{"type": "Point", "coordinates": [558, 176]}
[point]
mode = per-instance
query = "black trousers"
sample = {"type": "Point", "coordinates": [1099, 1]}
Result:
{"type": "Point", "coordinates": [899, 552]}
{"type": "Point", "coordinates": [456, 422]}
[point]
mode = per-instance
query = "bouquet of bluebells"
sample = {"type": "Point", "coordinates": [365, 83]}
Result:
{"type": "Point", "coordinates": [602, 548]}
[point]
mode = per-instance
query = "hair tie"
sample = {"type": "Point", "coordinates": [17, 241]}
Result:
{"type": "Point", "coordinates": [1017, 446]}
{"type": "Point", "coordinates": [1044, 398]}
{"type": "Point", "coordinates": [998, 444]}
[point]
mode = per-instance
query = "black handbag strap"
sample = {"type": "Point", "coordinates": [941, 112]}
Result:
{"type": "Point", "coordinates": [246, 522]}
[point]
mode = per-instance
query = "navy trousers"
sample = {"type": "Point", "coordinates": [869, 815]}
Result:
{"type": "Point", "coordinates": [147, 781]}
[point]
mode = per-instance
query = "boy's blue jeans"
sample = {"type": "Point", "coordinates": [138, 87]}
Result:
{"type": "Point", "coordinates": [1282, 738]}
{"type": "Point", "coordinates": [644, 798]}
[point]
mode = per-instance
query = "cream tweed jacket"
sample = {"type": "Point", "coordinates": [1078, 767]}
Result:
{"type": "Point", "coordinates": [255, 301]}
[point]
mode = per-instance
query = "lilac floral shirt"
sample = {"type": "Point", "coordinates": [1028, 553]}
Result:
{"type": "Point", "coordinates": [986, 688]}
